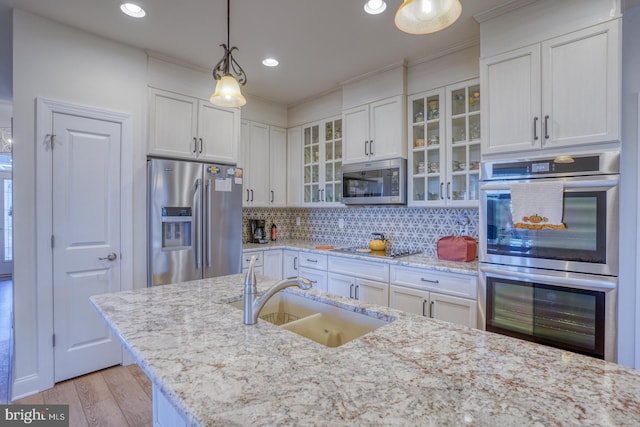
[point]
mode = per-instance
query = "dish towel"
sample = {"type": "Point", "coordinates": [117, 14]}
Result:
{"type": "Point", "coordinates": [537, 206]}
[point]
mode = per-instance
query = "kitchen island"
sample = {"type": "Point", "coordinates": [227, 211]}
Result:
{"type": "Point", "coordinates": [214, 370]}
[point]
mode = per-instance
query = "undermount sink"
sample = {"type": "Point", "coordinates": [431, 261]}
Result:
{"type": "Point", "coordinates": [323, 323]}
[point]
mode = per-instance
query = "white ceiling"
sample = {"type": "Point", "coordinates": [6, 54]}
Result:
{"type": "Point", "coordinates": [319, 43]}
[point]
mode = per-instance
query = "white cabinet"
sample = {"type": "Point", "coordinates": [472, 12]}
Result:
{"type": "Point", "coordinates": [322, 163]}
{"type": "Point", "coordinates": [364, 290]}
{"type": "Point", "coordinates": [294, 171]}
{"type": "Point", "coordinates": [375, 131]}
{"type": "Point", "coordinates": [272, 263]}
{"type": "Point", "coordinates": [313, 266]}
{"type": "Point", "coordinates": [290, 263]}
{"type": "Point", "coordinates": [263, 153]}
{"type": "Point", "coordinates": [181, 126]}
{"type": "Point", "coordinates": [444, 146]}
{"type": "Point", "coordinates": [446, 296]}
{"type": "Point", "coordinates": [164, 413]}
{"type": "Point", "coordinates": [563, 92]}
{"type": "Point", "coordinates": [246, 260]}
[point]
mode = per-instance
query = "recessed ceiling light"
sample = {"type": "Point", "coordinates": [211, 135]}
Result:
{"type": "Point", "coordinates": [270, 62]}
{"type": "Point", "coordinates": [374, 7]}
{"type": "Point", "coordinates": [133, 10]}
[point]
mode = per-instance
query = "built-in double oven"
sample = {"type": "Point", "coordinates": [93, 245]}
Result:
{"type": "Point", "coordinates": [548, 285]}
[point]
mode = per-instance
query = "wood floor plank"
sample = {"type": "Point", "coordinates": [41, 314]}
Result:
{"type": "Point", "coordinates": [133, 401]}
{"type": "Point", "coordinates": [99, 405]}
{"type": "Point", "coordinates": [142, 379]}
{"type": "Point", "coordinates": [65, 393]}
{"type": "Point", "coordinates": [92, 388]}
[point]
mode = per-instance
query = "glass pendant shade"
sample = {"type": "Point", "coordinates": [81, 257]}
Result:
{"type": "Point", "coordinates": [427, 16]}
{"type": "Point", "coordinates": [227, 93]}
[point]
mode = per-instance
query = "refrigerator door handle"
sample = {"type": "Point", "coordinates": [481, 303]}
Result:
{"type": "Point", "coordinates": [207, 206]}
{"type": "Point", "coordinates": [197, 196]}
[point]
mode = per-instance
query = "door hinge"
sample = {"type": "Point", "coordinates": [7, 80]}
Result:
{"type": "Point", "coordinates": [53, 339]}
{"type": "Point", "coordinates": [52, 241]}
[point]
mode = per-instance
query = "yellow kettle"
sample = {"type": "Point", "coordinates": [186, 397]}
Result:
{"type": "Point", "coordinates": [378, 243]}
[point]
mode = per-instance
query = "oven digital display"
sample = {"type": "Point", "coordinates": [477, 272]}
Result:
{"type": "Point", "coordinates": [539, 167]}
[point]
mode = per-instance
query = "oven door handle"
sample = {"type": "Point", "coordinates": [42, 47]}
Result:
{"type": "Point", "coordinates": [567, 184]}
{"type": "Point", "coordinates": [592, 283]}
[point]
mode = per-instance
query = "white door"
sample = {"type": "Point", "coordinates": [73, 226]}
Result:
{"type": "Point", "coordinates": [86, 241]}
{"type": "Point", "coordinates": [372, 292]}
{"type": "Point", "coordinates": [6, 224]}
{"type": "Point", "coordinates": [386, 126]}
{"type": "Point", "coordinates": [355, 133]}
{"type": "Point", "coordinates": [278, 173]}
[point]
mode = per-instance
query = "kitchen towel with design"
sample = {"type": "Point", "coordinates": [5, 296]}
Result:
{"type": "Point", "coordinates": [537, 205]}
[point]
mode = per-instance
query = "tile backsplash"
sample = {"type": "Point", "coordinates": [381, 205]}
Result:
{"type": "Point", "coordinates": [407, 227]}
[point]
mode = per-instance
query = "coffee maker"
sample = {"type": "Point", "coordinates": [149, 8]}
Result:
{"type": "Point", "coordinates": [258, 232]}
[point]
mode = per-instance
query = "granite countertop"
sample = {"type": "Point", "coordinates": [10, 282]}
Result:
{"type": "Point", "coordinates": [418, 260]}
{"type": "Point", "coordinates": [413, 371]}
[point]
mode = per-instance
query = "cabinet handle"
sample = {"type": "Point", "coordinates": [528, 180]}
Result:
{"type": "Point", "coordinates": [201, 145]}
{"type": "Point", "coordinates": [247, 194]}
{"type": "Point", "coordinates": [431, 309]}
{"type": "Point", "coordinates": [195, 145]}
{"type": "Point", "coordinates": [441, 187]}
{"type": "Point", "coordinates": [322, 195]}
{"type": "Point", "coordinates": [312, 260]}
{"type": "Point", "coordinates": [366, 153]}
{"type": "Point", "coordinates": [351, 291]}
{"type": "Point", "coordinates": [295, 263]}
{"type": "Point", "coordinates": [356, 293]}
{"type": "Point", "coordinates": [424, 308]}
{"type": "Point", "coordinates": [272, 195]}
{"type": "Point", "coordinates": [546, 127]}
{"type": "Point", "coordinates": [449, 190]}
{"type": "Point", "coordinates": [313, 281]}
{"type": "Point", "coordinates": [435, 282]}
{"type": "Point", "coordinates": [252, 194]}
{"type": "Point", "coordinates": [371, 147]}
{"type": "Point", "coordinates": [535, 128]}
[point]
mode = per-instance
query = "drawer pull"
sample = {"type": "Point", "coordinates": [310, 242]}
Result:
{"type": "Point", "coordinates": [424, 311]}
{"type": "Point", "coordinates": [351, 291]}
{"type": "Point", "coordinates": [430, 281]}
{"type": "Point", "coordinates": [431, 310]}
{"type": "Point", "coordinates": [312, 260]}
{"type": "Point", "coordinates": [313, 281]}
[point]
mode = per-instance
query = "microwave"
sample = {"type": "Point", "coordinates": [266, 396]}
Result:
{"type": "Point", "coordinates": [381, 182]}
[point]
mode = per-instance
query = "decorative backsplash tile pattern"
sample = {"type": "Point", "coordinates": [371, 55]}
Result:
{"type": "Point", "coordinates": [406, 227]}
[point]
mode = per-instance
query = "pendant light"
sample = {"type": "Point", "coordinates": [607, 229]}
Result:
{"type": "Point", "coordinates": [427, 16]}
{"type": "Point", "coordinates": [227, 93]}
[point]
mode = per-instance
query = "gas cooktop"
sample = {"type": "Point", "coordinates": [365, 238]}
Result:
{"type": "Point", "coordinates": [395, 253]}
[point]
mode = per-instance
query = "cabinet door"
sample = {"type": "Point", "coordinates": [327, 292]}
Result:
{"type": "Point", "coordinates": [290, 264]}
{"type": "Point", "coordinates": [272, 264]}
{"type": "Point", "coordinates": [277, 172]}
{"type": "Point", "coordinates": [580, 87]}
{"type": "Point", "coordinates": [356, 134]}
{"type": "Point", "coordinates": [294, 168]}
{"type": "Point", "coordinates": [452, 309]}
{"type": "Point", "coordinates": [218, 133]}
{"type": "Point", "coordinates": [332, 163]}
{"type": "Point", "coordinates": [318, 278]}
{"type": "Point", "coordinates": [410, 300]}
{"type": "Point", "coordinates": [511, 119]}
{"type": "Point", "coordinates": [311, 163]}
{"type": "Point", "coordinates": [387, 129]}
{"type": "Point", "coordinates": [372, 292]}
{"type": "Point", "coordinates": [258, 168]}
{"type": "Point", "coordinates": [173, 120]}
{"type": "Point", "coordinates": [338, 284]}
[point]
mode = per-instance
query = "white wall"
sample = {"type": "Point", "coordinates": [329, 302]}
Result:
{"type": "Point", "coordinates": [628, 296]}
{"type": "Point", "coordinates": [54, 61]}
{"type": "Point", "coordinates": [5, 53]}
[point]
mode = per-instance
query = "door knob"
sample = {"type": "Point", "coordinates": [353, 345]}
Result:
{"type": "Point", "coordinates": [111, 257]}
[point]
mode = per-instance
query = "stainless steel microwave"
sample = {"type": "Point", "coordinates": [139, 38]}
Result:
{"type": "Point", "coordinates": [381, 182]}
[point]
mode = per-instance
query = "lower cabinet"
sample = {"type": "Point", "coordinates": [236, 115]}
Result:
{"type": "Point", "coordinates": [164, 413]}
{"type": "Point", "coordinates": [446, 296]}
{"type": "Point", "coordinates": [313, 266]}
{"type": "Point", "coordinates": [318, 278]}
{"type": "Point", "coordinates": [246, 260]}
{"type": "Point", "coordinates": [290, 263]}
{"type": "Point", "coordinates": [364, 290]}
{"type": "Point", "coordinates": [272, 263]}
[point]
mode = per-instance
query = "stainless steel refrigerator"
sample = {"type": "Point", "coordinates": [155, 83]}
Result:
{"type": "Point", "coordinates": [194, 221]}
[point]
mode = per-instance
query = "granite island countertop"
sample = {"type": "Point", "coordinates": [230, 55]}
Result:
{"type": "Point", "coordinates": [413, 371]}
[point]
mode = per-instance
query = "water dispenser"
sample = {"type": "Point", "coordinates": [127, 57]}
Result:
{"type": "Point", "coordinates": [176, 227]}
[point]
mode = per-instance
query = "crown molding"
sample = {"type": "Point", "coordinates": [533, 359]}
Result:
{"type": "Point", "coordinates": [507, 7]}
{"type": "Point", "coordinates": [364, 76]}
{"type": "Point", "coordinates": [448, 51]}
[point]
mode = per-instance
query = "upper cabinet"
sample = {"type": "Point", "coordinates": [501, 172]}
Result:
{"type": "Point", "coordinates": [184, 127]}
{"type": "Point", "coordinates": [375, 131]}
{"type": "Point", "coordinates": [294, 170]}
{"type": "Point", "coordinates": [322, 146]}
{"type": "Point", "coordinates": [444, 146]}
{"type": "Point", "coordinates": [562, 92]}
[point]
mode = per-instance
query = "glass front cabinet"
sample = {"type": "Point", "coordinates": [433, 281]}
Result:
{"type": "Point", "coordinates": [444, 146]}
{"type": "Point", "coordinates": [322, 162]}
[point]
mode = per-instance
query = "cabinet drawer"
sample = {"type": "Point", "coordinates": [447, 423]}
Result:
{"type": "Point", "coordinates": [318, 278]}
{"type": "Point", "coordinates": [246, 258]}
{"type": "Point", "coordinates": [422, 278]}
{"type": "Point", "coordinates": [311, 260]}
{"type": "Point", "coordinates": [359, 268]}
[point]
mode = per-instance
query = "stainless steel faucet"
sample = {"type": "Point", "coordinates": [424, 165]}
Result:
{"type": "Point", "coordinates": [253, 304]}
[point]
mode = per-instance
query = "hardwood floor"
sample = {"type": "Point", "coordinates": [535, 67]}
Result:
{"type": "Point", "coordinates": [118, 396]}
